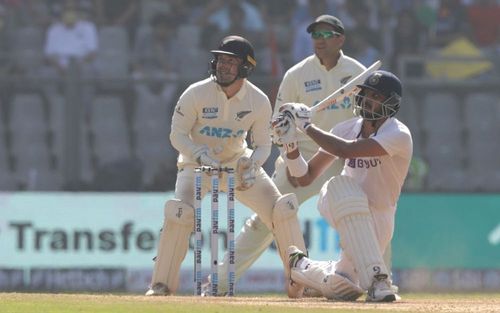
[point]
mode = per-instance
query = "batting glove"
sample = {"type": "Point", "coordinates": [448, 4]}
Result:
{"type": "Point", "coordinates": [283, 132]}
{"type": "Point", "coordinates": [300, 113]}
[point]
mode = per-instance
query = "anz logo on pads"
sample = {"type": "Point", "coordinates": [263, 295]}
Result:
{"type": "Point", "coordinates": [312, 85]}
{"type": "Point", "coordinates": [210, 113]}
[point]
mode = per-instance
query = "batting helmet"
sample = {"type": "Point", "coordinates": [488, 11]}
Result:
{"type": "Point", "coordinates": [239, 47]}
{"type": "Point", "coordinates": [386, 84]}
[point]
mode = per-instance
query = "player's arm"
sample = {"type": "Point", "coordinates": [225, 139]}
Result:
{"type": "Point", "coordinates": [316, 166]}
{"type": "Point", "coordinates": [183, 121]}
{"type": "Point", "coordinates": [260, 135]}
{"type": "Point", "coordinates": [345, 148]}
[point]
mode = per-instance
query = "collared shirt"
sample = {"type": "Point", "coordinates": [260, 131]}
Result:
{"type": "Point", "coordinates": [309, 82]}
{"type": "Point", "coordinates": [65, 43]}
{"type": "Point", "coordinates": [205, 116]}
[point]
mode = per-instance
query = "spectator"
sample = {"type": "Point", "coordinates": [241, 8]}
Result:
{"type": "Point", "coordinates": [71, 39]}
{"type": "Point", "coordinates": [451, 23]}
{"type": "Point", "coordinates": [484, 18]}
{"type": "Point", "coordinates": [408, 39]}
{"type": "Point", "coordinates": [123, 13]}
{"type": "Point", "coordinates": [155, 56]}
{"type": "Point", "coordinates": [362, 50]}
{"type": "Point", "coordinates": [218, 19]}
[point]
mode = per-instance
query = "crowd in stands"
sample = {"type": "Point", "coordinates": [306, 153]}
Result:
{"type": "Point", "coordinates": [136, 56]}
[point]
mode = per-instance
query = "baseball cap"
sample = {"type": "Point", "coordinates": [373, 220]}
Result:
{"type": "Point", "coordinates": [338, 26]}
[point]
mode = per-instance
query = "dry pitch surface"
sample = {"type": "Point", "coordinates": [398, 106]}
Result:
{"type": "Point", "coordinates": [31, 302]}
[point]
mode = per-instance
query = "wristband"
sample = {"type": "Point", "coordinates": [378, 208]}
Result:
{"type": "Point", "coordinates": [298, 167]}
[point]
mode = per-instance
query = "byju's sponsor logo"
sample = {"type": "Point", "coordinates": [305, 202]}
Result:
{"type": "Point", "coordinates": [364, 163]}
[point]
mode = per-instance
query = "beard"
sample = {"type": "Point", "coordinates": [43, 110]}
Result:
{"type": "Point", "coordinates": [225, 78]}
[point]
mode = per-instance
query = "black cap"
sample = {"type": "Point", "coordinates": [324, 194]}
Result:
{"type": "Point", "coordinates": [237, 46]}
{"type": "Point", "coordinates": [327, 19]}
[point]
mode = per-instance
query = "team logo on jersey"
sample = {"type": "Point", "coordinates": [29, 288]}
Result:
{"type": "Point", "coordinates": [178, 110]}
{"type": "Point", "coordinates": [210, 113]}
{"type": "Point", "coordinates": [364, 163]}
{"type": "Point", "coordinates": [312, 85]}
{"type": "Point", "coordinates": [344, 80]}
{"type": "Point", "coordinates": [221, 132]}
{"type": "Point", "coordinates": [241, 114]}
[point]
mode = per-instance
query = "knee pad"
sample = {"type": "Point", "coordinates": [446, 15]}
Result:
{"type": "Point", "coordinates": [342, 196]}
{"type": "Point", "coordinates": [179, 212]}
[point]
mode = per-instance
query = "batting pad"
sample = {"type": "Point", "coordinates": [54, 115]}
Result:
{"type": "Point", "coordinates": [286, 227]}
{"type": "Point", "coordinates": [345, 205]}
{"type": "Point", "coordinates": [174, 243]}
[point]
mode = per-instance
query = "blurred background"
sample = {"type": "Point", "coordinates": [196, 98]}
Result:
{"type": "Point", "coordinates": [91, 113]}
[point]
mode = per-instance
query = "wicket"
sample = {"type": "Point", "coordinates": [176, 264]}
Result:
{"type": "Point", "coordinates": [214, 230]}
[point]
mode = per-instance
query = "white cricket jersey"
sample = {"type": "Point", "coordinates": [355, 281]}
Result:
{"type": "Point", "coordinates": [309, 82]}
{"type": "Point", "coordinates": [204, 115]}
{"type": "Point", "coordinates": [381, 177]}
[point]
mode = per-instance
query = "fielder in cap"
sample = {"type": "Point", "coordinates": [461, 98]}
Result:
{"type": "Point", "coordinates": [361, 202]}
{"type": "Point", "coordinates": [209, 126]}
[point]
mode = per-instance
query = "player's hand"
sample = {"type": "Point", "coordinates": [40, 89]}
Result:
{"type": "Point", "coordinates": [283, 132]}
{"type": "Point", "coordinates": [202, 157]}
{"type": "Point", "coordinates": [246, 170]}
{"type": "Point", "coordinates": [300, 113]}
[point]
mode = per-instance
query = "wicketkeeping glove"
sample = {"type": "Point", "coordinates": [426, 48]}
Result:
{"type": "Point", "coordinates": [300, 113]}
{"type": "Point", "coordinates": [246, 170]}
{"type": "Point", "coordinates": [201, 156]}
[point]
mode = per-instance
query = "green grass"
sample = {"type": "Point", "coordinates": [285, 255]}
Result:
{"type": "Point", "coordinates": [103, 303]}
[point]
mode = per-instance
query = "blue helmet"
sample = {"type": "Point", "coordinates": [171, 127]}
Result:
{"type": "Point", "coordinates": [386, 84]}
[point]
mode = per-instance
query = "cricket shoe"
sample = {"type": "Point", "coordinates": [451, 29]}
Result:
{"type": "Point", "coordinates": [158, 289]}
{"type": "Point", "coordinates": [294, 289]}
{"type": "Point", "coordinates": [312, 293]}
{"type": "Point", "coordinates": [381, 290]}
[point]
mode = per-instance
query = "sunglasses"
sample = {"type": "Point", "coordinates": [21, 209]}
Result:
{"type": "Point", "coordinates": [324, 34]}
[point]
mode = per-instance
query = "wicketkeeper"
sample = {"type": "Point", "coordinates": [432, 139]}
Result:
{"type": "Point", "coordinates": [209, 127]}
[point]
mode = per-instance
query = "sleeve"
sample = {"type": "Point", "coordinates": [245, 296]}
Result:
{"type": "Point", "coordinates": [287, 91]}
{"type": "Point", "coordinates": [395, 142]}
{"type": "Point", "coordinates": [93, 42]}
{"type": "Point", "coordinates": [261, 139]}
{"type": "Point", "coordinates": [183, 120]}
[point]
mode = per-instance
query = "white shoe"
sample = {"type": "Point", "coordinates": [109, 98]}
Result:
{"type": "Point", "coordinates": [312, 293]}
{"type": "Point", "coordinates": [381, 290]}
{"type": "Point", "coordinates": [294, 289]}
{"type": "Point", "coordinates": [158, 289]}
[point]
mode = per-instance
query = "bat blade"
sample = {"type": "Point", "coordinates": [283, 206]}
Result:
{"type": "Point", "coordinates": [347, 89]}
